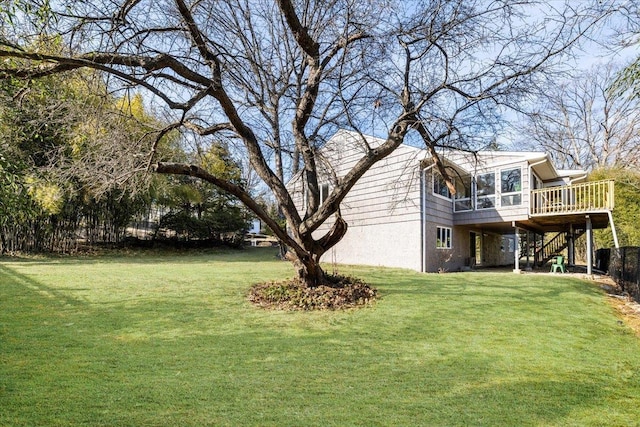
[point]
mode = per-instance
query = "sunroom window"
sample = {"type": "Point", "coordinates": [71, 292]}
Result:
{"type": "Point", "coordinates": [511, 187]}
{"type": "Point", "coordinates": [486, 190]}
{"type": "Point", "coordinates": [440, 186]}
{"type": "Point", "coordinates": [463, 201]}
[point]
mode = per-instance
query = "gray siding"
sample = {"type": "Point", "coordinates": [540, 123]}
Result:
{"type": "Point", "coordinates": [383, 213]}
{"type": "Point", "coordinates": [382, 210]}
{"type": "Point", "coordinates": [393, 215]}
{"type": "Point", "coordinates": [444, 260]}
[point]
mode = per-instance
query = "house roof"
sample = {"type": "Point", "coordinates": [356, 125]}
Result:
{"type": "Point", "coordinates": [539, 161]}
{"type": "Point", "coordinates": [576, 175]}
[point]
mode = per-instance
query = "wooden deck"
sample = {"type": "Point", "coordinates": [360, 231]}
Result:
{"type": "Point", "coordinates": [555, 207]}
{"type": "Point", "coordinates": [589, 197]}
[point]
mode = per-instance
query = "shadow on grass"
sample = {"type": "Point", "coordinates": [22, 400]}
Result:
{"type": "Point", "coordinates": [525, 402]}
{"type": "Point", "coordinates": [478, 284]}
{"type": "Point", "coordinates": [194, 360]}
{"type": "Point", "coordinates": [297, 378]}
{"type": "Point", "coordinates": [59, 294]}
{"type": "Point", "coordinates": [152, 256]}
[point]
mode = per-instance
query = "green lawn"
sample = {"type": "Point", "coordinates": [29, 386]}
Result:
{"type": "Point", "coordinates": [155, 340]}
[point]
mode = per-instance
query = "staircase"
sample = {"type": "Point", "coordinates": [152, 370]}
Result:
{"type": "Point", "coordinates": [553, 247]}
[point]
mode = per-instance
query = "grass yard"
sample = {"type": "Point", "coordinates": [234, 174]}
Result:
{"type": "Point", "coordinates": [170, 340]}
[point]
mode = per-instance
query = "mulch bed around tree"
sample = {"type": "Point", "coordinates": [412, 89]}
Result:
{"type": "Point", "coordinates": [340, 292]}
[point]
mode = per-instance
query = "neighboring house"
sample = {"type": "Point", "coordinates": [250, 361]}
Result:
{"type": "Point", "coordinates": [255, 237]}
{"type": "Point", "coordinates": [256, 227]}
{"type": "Point", "coordinates": [401, 214]}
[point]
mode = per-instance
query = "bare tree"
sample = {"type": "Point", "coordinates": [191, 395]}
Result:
{"type": "Point", "coordinates": [627, 35]}
{"type": "Point", "coordinates": [280, 77]}
{"type": "Point", "coordinates": [584, 125]}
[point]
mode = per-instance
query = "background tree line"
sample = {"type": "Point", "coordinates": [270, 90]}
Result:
{"type": "Point", "coordinates": [59, 139]}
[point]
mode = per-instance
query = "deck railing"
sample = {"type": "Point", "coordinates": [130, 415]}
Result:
{"type": "Point", "coordinates": [587, 197]}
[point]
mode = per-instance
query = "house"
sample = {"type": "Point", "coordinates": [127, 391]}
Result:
{"type": "Point", "coordinates": [401, 213]}
{"type": "Point", "coordinates": [255, 236]}
{"type": "Point", "coordinates": [256, 227]}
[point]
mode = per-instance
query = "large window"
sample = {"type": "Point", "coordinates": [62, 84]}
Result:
{"type": "Point", "coordinates": [462, 184]}
{"type": "Point", "coordinates": [486, 190]}
{"type": "Point", "coordinates": [511, 187]}
{"type": "Point", "coordinates": [463, 201]}
{"type": "Point", "coordinates": [440, 186]}
{"type": "Point", "coordinates": [443, 238]}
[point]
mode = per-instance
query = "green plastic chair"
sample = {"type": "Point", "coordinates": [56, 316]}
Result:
{"type": "Point", "coordinates": [558, 264]}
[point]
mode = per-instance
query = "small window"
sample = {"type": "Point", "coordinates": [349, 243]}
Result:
{"type": "Point", "coordinates": [324, 192]}
{"type": "Point", "coordinates": [443, 239]}
{"type": "Point", "coordinates": [440, 186]}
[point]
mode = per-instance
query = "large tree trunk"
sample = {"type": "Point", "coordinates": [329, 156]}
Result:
{"type": "Point", "coordinates": [309, 271]}
{"type": "Point", "coordinates": [307, 264]}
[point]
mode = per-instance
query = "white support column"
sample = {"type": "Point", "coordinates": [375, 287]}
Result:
{"type": "Point", "coordinates": [589, 247]}
{"type": "Point", "coordinates": [613, 230]}
{"type": "Point", "coordinates": [423, 220]}
{"type": "Point", "coordinates": [516, 268]}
